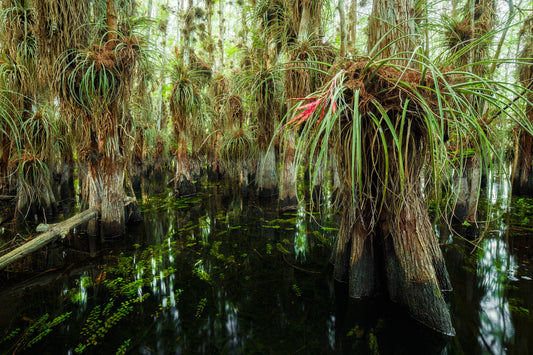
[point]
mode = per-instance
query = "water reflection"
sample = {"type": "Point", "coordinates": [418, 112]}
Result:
{"type": "Point", "coordinates": [223, 274]}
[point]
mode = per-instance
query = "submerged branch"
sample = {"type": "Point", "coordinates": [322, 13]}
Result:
{"type": "Point", "coordinates": [59, 229]}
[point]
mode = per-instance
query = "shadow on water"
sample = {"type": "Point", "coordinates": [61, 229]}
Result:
{"type": "Point", "coordinates": [219, 273]}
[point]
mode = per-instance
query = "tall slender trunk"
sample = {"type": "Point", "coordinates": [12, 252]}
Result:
{"type": "Point", "coordinates": [211, 51]}
{"type": "Point", "coordinates": [342, 27]}
{"type": "Point", "coordinates": [352, 26]}
{"type": "Point", "coordinates": [522, 176]}
{"type": "Point", "coordinates": [221, 21]}
{"type": "Point", "coordinates": [112, 25]}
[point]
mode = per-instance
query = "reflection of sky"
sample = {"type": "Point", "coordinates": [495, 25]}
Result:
{"type": "Point", "coordinates": [232, 325]}
{"type": "Point", "coordinates": [496, 326]}
{"type": "Point", "coordinates": [495, 265]}
{"type": "Point", "coordinates": [300, 240]}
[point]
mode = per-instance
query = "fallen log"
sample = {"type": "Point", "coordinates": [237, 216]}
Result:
{"type": "Point", "coordinates": [55, 230]}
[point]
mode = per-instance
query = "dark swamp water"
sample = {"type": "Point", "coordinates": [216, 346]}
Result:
{"type": "Point", "coordinates": [217, 273]}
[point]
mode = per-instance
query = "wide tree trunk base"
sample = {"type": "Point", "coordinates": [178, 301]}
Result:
{"type": "Point", "coordinates": [185, 187]}
{"type": "Point", "coordinates": [423, 299]}
{"type": "Point", "coordinates": [288, 204]}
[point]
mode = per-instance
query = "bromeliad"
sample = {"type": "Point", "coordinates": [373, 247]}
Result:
{"type": "Point", "coordinates": [309, 109]}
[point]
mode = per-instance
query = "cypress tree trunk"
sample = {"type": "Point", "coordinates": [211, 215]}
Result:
{"type": "Point", "coordinates": [5, 152]}
{"type": "Point", "coordinates": [112, 193]}
{"type": "Point", "coordinates": [267, 173]}
{"type": "Point", "coordinates": [522, 178]}
{"type": "Point", "coordinates": [288, 189]}
{"type": "Point", "coordinates": [386, 238]}
{"type": "Point", "coordinates": [93, 188]}
{"type": "Point", "coordinates": [183, 179]}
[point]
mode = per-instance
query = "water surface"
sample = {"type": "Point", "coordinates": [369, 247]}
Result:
{"type": "Point", "coordinates": [219, 273]}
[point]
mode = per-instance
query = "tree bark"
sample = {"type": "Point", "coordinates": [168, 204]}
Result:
{"type": "Point", "coordinates": [416, 275]}
{"type": "Point", "coordinates": [391, 28]}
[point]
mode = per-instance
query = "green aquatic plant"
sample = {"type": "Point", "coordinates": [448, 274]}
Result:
{"type": "Point", "coordinates": [98, 324]}
{"type": "Point", "coordinates": [122, 350]}
{"type": "Point", "coordinates": [34, 333]}
{"type": "Point", "coordinates": [200, 307]}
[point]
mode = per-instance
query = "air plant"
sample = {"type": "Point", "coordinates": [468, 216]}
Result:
{"type": "Point", "coordinates": [238, 146]}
